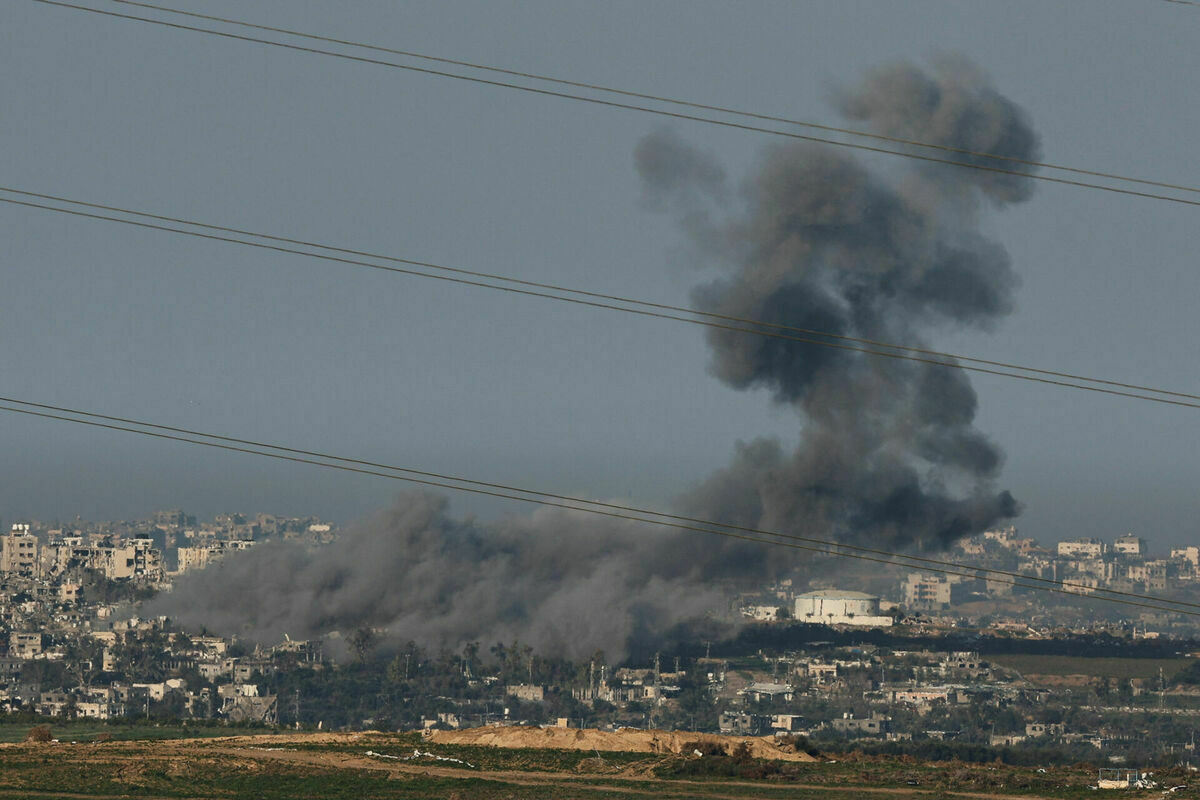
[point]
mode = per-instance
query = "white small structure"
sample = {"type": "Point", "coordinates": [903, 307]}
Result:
{"type": "Point", "coordinates": [769, 691]}
{"type": "Point", "coordinates": [838, 607]}
{"type": "Point", "coordinates": [1124, 779]}
{"type": "Point", "coordinates": [761, 613]}
{"type": "Point", "coordinates": [1084, 547]}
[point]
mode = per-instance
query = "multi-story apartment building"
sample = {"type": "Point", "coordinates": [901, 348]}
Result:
{"type": "Point", "coordinates": [19, 551]}
{"type": "Point", "coordinates": [200, 557]}
{"type": "Point", "coordinates": [24, 645]}
{"type": "Point", "coordinates": [1189, 555]}
{"type": "Point", "coordinates": [1102, 570]}
{"type": "Point", "coordinates": [1130, 545]}
{"type": "Point", "coordinates": [1085, 547]}
{"type": "Point", "coordinates": [136, 559]}
{"type": "Point", "coordinates": [1151, 573]}
{"type": "Point", "coordinates": [932, 591]}
{"type": "Point", "coordinates": [1001, 535]}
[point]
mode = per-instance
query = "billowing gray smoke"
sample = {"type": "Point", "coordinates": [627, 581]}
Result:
{"type": "Point", "coordinates": [887, 454]}
{"type": "Point", "coordinates": [564, 582]}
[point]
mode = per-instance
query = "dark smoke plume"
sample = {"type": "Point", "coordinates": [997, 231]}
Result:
{"type": "Point", "coordinates": [954, 107]}
{"type": "Point", "coordinates": [888, 452]}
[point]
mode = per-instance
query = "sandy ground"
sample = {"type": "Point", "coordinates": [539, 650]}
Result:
{"type": "Point", "coordinates": [634, 741]}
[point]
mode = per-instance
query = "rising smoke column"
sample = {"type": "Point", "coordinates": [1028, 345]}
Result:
{"type": "Point", "coordinates": [822, 240]}
{"type": "Point", "coordinates": [888, 453]}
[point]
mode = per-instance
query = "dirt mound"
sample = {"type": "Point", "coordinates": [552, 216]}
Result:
{"type": "Point", "coordinates": [632, 741]}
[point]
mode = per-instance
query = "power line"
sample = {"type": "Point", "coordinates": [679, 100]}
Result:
{"type": "Point", "coordinates": [661, 99]}
{"type": "Point", "coordinates": [250, 447]}
{"type": "Point", "coordinates": [633, 107]}
{"type": "Point", "coordinates": [600, 295]}
{"type": "Point", "coordinates": [515, 288]}
{"type": "Point", "coordinates": [600, 504]}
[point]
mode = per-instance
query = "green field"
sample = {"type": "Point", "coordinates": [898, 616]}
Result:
{"type": "Point", "coordinates": [1121, 668]}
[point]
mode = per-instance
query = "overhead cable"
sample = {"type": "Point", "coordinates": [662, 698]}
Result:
{"type": "Point", "coordinates": [568, 498]}
{"type": "Point", "coordinates": [624, 304]}
{"type": "Point", "coordinates": [650, 110]}
{"type": "Point", "coordinates": [612, 510]}
{"type": "Point", "coordinates": [659, 98]}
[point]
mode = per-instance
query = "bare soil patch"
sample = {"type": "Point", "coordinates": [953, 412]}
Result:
{"type": "Point", "coordinates": [628, 741]}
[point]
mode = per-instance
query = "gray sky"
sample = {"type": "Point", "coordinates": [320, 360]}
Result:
{"type": "Point", "coordinates": [409, 371]}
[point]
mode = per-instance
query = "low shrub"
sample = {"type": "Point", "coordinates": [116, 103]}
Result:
{"type": "Point", "coordinates": [39, 733]}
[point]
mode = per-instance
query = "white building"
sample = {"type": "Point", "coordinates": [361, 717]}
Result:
{"type": "Point", "coordinates": [1001, 535]}
{"type": "Point", "coordinates": [1082, 548]}
{"type": "Point", "coordinates": [769, 691]}
{"type": "Point", "coordinates": [1129, 545]}
{"type": "Point", "coordinates": [837, 607]}
{"type": "Point", "coordinates": [761, 613]}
